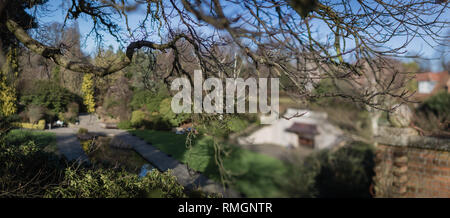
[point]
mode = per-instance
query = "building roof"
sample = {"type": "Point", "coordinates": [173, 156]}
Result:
{"type": "Point", "coordinates": [442, 80]}
{"type": "Point", "coordinates": [430, 76]}
{"type": "Point", "coordinates": [303, 129]}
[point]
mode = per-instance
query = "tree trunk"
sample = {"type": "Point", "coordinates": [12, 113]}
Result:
{"type": "Point", "coordinates": [374, 117]}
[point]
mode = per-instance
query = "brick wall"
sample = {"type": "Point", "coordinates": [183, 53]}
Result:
{"type": "Point", "coordinates": [412, 166]}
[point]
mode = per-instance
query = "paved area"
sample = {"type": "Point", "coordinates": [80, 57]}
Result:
{"type": "Point", "coordinates": [70, 147]}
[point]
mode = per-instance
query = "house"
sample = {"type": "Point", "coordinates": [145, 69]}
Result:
{"type": "Point", "coordinates": [311, 130]}
{"type": "Point", "coordinates": [430, 83]}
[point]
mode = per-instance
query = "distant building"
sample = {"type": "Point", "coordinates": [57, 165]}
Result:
{"type": "Point", "coordinates": [430, 83]}
{"type": "Point", "coordinates": [312, 130]}
{"type": "Point", "coordinates": [305, 133]}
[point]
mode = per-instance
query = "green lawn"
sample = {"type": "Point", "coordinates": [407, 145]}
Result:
{"type": "Point", "coordinates": [254, 174]}
{"type": "Point", "coordinates": [45, 140]}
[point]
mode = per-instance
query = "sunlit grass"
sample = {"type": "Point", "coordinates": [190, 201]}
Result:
{"type": "Point", "coordinates": [255, 175]}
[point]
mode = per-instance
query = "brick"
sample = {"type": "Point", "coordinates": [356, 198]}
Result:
{"type": "Point", "coordinates": [442, 179]}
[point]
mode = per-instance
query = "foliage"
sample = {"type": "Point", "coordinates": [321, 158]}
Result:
{"type": "Point", "coordinates": [26, 168]}
{"type": "Point", "coordinates": [6, 125]}
{"type": "Point", "coordinates": [82, 131]}
{"type": "Point", "coordinates": [7, 98]}
{"type": "Point", "coordinates": [433, 115]}
{"type": "Point", "coordinates": [346, 172]}
{"type": "Point", "coordinates": [300, 179]}
{"type": "Point", "coordinates": [50, 95]}
{"type": "Point", "coordinates": [8, 76]}
{"type": "Point", "coordinates": [165, 110]}
{"type": "Point", "coordinates": [68, 117]}
{"type": "Point", "coordinates": [236, 124]}
{"type": "Point", "coordinates": [141, 98]}
{"type": "Point", "coordinates": [126, 124]}
{"type": "Point", "coordinates": [56, 72]}
{"type": "Point", "coordinates": [19, 12]}
{"type": "Point", "coordinates": [40, 125]}
{"type": "Point", "coordinates": [87, 89]}
{"type": "Point", "coordinates": [324, 86]}
{"type": "Point", "coordinates": [107, 183]}
{"type": "Point", "coordinates": [42, 139]}
{"type": "Point", "coordinates": [437, 104]}
{"type": "Point", "coordinates": [138, 118]}
{"type": "Point", "coordinates": [148, 99]}
{"type": "Point", "coordinates": [35, 113]}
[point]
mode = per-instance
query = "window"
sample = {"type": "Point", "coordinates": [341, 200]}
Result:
{"type": "Point", "coordinates": [426, 86]}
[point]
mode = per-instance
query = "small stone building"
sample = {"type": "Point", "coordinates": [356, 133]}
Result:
{"type": "Point", "coordinates": [310, 127]}
{"type": "Point", "coordinates": [305, 133]}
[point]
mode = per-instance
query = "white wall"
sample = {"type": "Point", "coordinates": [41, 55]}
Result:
{"type": "Point", "coordinates": [276, 133]}
{"type": "Point", "coordinates": [426, 87]}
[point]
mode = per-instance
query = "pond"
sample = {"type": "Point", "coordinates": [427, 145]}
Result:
{"type": "Point", "coordinates": [101, 153]}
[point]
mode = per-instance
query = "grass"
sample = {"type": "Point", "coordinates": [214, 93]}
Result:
{"type": "Point", "coordinates": [45, 140]}
{"type": "Point", "coordinates": [254, 175]}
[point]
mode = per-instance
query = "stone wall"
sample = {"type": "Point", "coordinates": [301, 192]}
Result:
{"type": "Point", "coordinates": [408, 165]}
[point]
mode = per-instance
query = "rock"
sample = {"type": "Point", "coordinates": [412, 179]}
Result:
{"type": "Point", "coordinates": [401, 116]}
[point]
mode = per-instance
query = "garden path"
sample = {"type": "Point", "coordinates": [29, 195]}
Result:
{"type": "Point", "coordinates": [70, 147]}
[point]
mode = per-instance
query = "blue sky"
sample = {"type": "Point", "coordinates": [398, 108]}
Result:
{"type": "Point", "coordinates": [418, 45]}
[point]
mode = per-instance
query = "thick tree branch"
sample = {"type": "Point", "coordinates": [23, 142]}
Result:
{"type": "Point", "coordinates": [57, 56]}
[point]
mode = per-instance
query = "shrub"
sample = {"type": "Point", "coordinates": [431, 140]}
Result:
{"type": "Point", "coordinates": [300, 179]}
{"type": "Point", "coordinates": [434, 114]}
{"type": "Point", "coordinates": [40, 125]}
{"type": "Point", "coordinates": [126, 124]}
{"type": "Point", "coordinates": [7, 98]}
{"type": "Point", "coordinates": [438, 104]}
{"type": "Point", "coordinates": [87, 89]}
{"type": "Point", "coordinates": [49, 95]}
{"type": "Point", "coordinates": [141, 98]}
{"type": "Point", "coordinates": [6, 124]}
{"type": "Point", "coordinates": [158, 123]}
{"type": "Point", "coordinates": [138, 118]}
{"type": "Point", "coordinates": [34, 113]}
{"type": "Point", "coordinates": [235, 124]}
{"type": "Point", "coordinates": [346, 172]}
{"type": "Point", "coordinates": [82, 131]}
{"type": "Point", "coordinates": [107, 183]}
{"type": "Point", "coordinates": [165, 110]}
{"type": "Point", "coordinates": [26, 170]}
